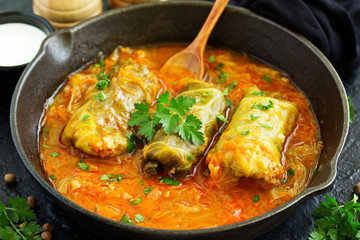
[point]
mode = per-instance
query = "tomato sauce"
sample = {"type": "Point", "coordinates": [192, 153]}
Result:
{"type": "Point", "coordinates": [199, 202]}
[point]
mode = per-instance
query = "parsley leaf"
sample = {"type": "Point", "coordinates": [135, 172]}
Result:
{"type": "Point", "coordinates": [170, 117]}
{"type": "Point", "coordinates": [101, 96]}
{"type": "Point", "coordinates": [351, 110]}
{"type": "Point", "coordinates": [102, 62]}
{"type": "Point", "coordinates": [181, 105]}
{"type": "Point", "coordinates": [139, 218]}
{"type": "Point", "coordinates": [85, 117]}
{"type": "Point", "coordinates": [212, 59]}
{"type": "Point", "coordinates": [338, 222]}
{"type": "Point", "coordinates": [228, 102]}
{"type": "Point", "coordinates": [170, 181]}
{"type": "Point", "coordinates": [140, 115]}
{"type": "Point", "coordinates": [54, 154]}
{"type": "Point", "coordinates": [148, 190]}
{"type": "Point", "coordinates": [53, 177]}
{"type": "Point", "coordinates": [83, 166]}
{"type": "Point", "coordinates": [219, 66]}
{"type": "Point", "coordinates": [266, 125]}
{"type": "Point", "coordinates": [261, 93]}
{"type": "Point", "coordinates": [10, 226]}
{"type": "Point", "coordinates": [126, 219]}
{"type": "Point", "coordinates": [131, 143]}
{"type": "Point", "coordinates": [290, 172]}
{"type": "Point", "coordinates": [164, 98]}
{"type": "Point", "coordinates": [243, 132]}
{"type": "Point", "coordinates": [266, 78]}
{"type": "Point", "coordinates": [254, 116]}
{"type": "Point", "coordinates": [168, 120]}
{"type": "Point", "coordinates": [222, 77]}
{"type": "Point", "coordinates": [262, 106]}
{"type": "Point", "coordinates": [222, 119]}
{"type": "Point", "coordinates": [103, 80]}
{"type": "Point", "coordinates": [112, 178]}
{"type": "Point", "coordinates": [256, 198]}
{"type": "Point", "coordinates": [135, 202]}
{"type": "Point", "coordinates": [189, 130]}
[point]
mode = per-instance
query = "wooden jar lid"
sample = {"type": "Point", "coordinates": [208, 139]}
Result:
{"type": "Point", "coordinates": [65, 13]}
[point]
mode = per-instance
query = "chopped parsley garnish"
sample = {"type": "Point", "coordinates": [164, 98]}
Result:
{"type": "Point", "coordinates": [256, 198]}
{"type": "Point", "coordinates": [102, 62]}
{"type": "Point", "coordinates": [101, 96]}
{"type": "Point", "coordinates": [126, 219]}
{"type": "Point", "coordinates": [112, 178]}
{"type": "Point", "coordinates": [16, 221]}
{"type": "Point", "coordinates": [313, 170]}
{"type": "Point", "coordinates": [221, 118]}
{"type": "Point", "coordinates": [243, 132]}
{"type": "Point", "coordinates": [266, 78]}
{"type": "Point", "coordinates": [262, 106]}
{"type": "Point", "coordinates": [141, 181]}
{"type": "Point", "coordinates": [266, 125]}
{"type": "Point", "coordinates": [261, 93]}
{"type": "Point", "coordinates": [219, 66]}
{"type": "Point", "coordinates": [285, 181]}
{"type": "Point", "coordinates": [46, 146]}
{"type": "Point", "coordinates": [212, 59]}
{"type": "Point", "coordinates": [203, 100]}
{"type": "Point", "coordinates": [205, 94]}
{"type": "Point", "coordinates": [170, 181]}
{"type": "Point", "coordinates": [148, 190]}
{"type": "Point", "coordinates": [351, 110]}
{"type": "Point", "coordinates": [96, 65]}
{"type": "Point", "coordinates": [139, 218]}
{"type": "Point", "coordinates": [190, 157]}
{"type": "Point", "coordinates": [228, 102]}
{"type": "Point", "coordinates": [171, 116]}
{"type": "Point", "coordinates": [131, 143]}
{"type": "Point", "coordinates": [135, 202]}
{"type": "Point", "coordinates": [290, 172]}
{"type": "Point", "coordinates": [222, 77]}
{"type": "Point", "coordinates": [53, 177]}
{"type": "Point", "coordinates": [254, 116]}
{"type": "Point", "coordinates": [85, 117]}
{"type": "Point", "coordinates": [83, 166]}
{"type": "Point", "coordinates": [103, 80]}
{"type": "Point", "coordinates": [337, 222]}
{"type": "Point", "coordinates": [54, 154]}
{"type": "Point", "coordinates": [230, 88]}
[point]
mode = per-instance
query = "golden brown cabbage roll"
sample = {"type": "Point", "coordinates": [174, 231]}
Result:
{"type": "Point", "coordinates": [251, 145]}
{"type": "Point", "coordinates": [172, 152]}
{"type": "Point", "coordinates": [99, 126]}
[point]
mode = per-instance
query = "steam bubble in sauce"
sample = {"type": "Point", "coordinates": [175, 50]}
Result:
{"type": "Point", "coordinates": [19, 43]}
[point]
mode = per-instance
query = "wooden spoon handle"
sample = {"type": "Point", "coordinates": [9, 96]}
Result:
{"type": "Point", "coordinates": [199, 43]}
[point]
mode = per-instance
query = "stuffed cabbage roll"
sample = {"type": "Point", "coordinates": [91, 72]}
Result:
{"type": "Point", "coordinates": [172, 152]}
{"type": "Point", "coordinates": [99, 126]}
{"type": "Point", "coordinates": [251, 145]}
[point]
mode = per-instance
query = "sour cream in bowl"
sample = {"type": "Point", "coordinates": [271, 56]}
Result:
{"type": "Point", "coordinates": [21, 35]}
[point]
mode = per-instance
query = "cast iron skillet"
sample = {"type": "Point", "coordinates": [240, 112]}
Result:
{"type": "Point", "coordinates": [238, 29]}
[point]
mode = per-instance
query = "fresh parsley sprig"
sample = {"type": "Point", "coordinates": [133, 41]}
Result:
{"type": "Point", "coordinates": [171, 115]}
{"type": "Point", "coordinates": [16, 221]}
{"type": "Point", "coordinates": [338, 222]}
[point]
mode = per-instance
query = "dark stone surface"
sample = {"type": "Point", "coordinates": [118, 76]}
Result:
{"type": "Point", "coordinates": [296, 226]}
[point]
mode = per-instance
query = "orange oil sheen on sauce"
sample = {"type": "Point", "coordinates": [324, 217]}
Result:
{"type": "Point", "coordinates": [199, 202]}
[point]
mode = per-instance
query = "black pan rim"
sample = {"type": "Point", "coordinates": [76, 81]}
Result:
{"type": "Point", "coordinates": [310, 191]}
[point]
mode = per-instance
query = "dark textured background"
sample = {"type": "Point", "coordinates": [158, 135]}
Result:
{"type": "Point", "coordinates": [296, 226]}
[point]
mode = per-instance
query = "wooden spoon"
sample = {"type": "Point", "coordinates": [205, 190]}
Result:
{"type": "Point", "coordinates": [191, 57]}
